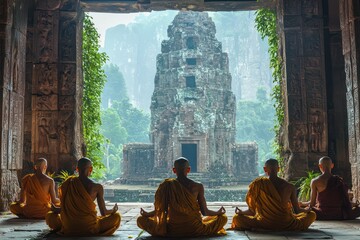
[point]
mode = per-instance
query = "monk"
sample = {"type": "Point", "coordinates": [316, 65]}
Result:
{"type": "Point", "coordinates": [329, 195]}
{"type": "Point", "coordinates": [37, 193]}
{"type": "Point", "coordinates": [178, 206]}
{"type": "Point", "coordinates": [273, 205]}
{"type": "Point", "coordinates": [78, 216]}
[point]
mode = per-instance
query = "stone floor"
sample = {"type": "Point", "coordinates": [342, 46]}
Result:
{"type": "Point", "coordinates": [12, 227]}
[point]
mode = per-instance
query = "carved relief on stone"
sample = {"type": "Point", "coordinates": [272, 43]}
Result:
{"type": "Point", "coordinates": [311, 43]}
{"type": "Point", "coordinates": [46, 137]}
{"type": "Point", "coordinates": [46, 36]}
{"type": "Point", "coordinates": [16, 134]}
{"type": "Point", "coordinates": [68, 79]}
{"type": "Point", "coordinates": [68, 37]}
{"type": "Point", "coordinates": [45, 79]}
{"type": "Point", "coordinates": [292, 46]}
{"type": "Point", "coordinates": [66, 103]}
{"type": "Point", "coordinates": [293, 76]}
{"type": "Point", "coordinates": [45, 102]}
{"type": "Point", "coordinates": [316, 131]}
{"type": "Point", "coordinates": [4, 127]}
{"type": "Point", "coordinates": [6, 12]}
{"type": "Point", "coordinates": [48, 4]}
{"type": "Point", "coordinates": [64, 132]}
{"type": "Point", "coordinates": [296, 109]}
{"type": "Point", "coordinates": [298, 141]}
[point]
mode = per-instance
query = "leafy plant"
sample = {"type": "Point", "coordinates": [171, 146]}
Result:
{"type": "Point", "coordinates": [304, 185]}
{"type": "Point", "coordinates": [62, 176]}
{"type": "Point", "coordinates": [94, 81]}
{"type": "Point", "coordinates": [265, 22]}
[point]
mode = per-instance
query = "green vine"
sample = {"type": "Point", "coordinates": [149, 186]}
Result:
{"type": "Point", "coordinates": [94, 81]}
{"type": "Point", "coordinates": [265, 22]}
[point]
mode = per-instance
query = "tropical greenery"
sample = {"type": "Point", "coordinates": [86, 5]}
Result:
{"type": "Point", "coordinates": [121, 122]}
{"type": "Point", "coordinates": [266, 25]}
{"type": "Point", "coordinates": [94, 81]}
{"type": "Point", "coordinates": [254, 123]}
{"type": "Point", "coordinates": [304, 185]}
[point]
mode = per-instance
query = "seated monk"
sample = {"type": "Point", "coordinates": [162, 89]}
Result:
{"type": "Point", "coordinates": [37, 193]}
{"type": "Point", "coordinates": [273, 205]}
{"type": "Point", "coordinates": [178, 203]}
{"type": "Point", "coordinates": [329, 195]}
{"type": "Point", "coordinates": [78, 216]}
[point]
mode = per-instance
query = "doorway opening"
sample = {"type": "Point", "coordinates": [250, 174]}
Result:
{"type": "Point", "coordinates": [189, 151]}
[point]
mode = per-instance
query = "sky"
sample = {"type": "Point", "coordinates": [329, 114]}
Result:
{"type": "Point", "coordinates": [104, 21]}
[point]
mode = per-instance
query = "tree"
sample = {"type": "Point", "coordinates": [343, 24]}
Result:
{"type": "Point", "coordinates": [94, 81]}
{"type": "Point", "coordinates": [115, 88]}
{"type": "Point", "coordinates": [255, 122]}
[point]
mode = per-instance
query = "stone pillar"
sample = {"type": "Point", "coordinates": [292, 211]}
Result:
{"type": "Point", "coordinates": [350, 29]}
{"type": "Point", "coordinates": [56, 84]}
{"type": "Point", "coordinates": [305, 128]}
{"type": "Point", "coordinates": [336, 92]}
{"type": "Point", "coordinates": [13, 16]}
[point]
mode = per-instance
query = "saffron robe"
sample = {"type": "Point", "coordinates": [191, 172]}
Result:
{"type": "Point", "coordinates": [177, 214]}
{"type": "Point", "coordinates": [333, 203]}
{"type": "Point", "coordinates": [37, 203]}
{"type": "Point", "coordinates": [264, 200]}
{"type": "Point", "coordinates": [78, 216]}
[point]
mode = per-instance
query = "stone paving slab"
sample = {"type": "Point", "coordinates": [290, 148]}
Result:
{"type": "Point", "coordinates": [12, 227]}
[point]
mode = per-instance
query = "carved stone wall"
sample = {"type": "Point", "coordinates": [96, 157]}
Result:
{"type": "Point", "coordinates": [52, 128]}
{"type": "Point", "coordinates": [13, 22]}
{"type": "Point", "coordinates": [350, 29]}
{"type": "Point", "coordinates": [305, 132]}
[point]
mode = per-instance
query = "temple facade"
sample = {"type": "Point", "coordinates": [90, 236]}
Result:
{"type": "Point", "coordinates": [193, 108]}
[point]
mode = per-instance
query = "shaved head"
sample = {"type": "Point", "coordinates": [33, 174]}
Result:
{"type": "Point", "coordinates": [181, 167]}
{"type": "Point", "coordinates": [39, 162]}
{"type": "Point", "coordinates": [83, 163]}
{"type": "Point", "coordinates": [271, 167]}
{"type": "Point", "coordinates": [325, 161]}
{"type": "Point", "coordinates": [326, 164]}
{"type": "Point", "coordinates": [181, 164]}
{"type": "Point", "coordinates": [272, 163]}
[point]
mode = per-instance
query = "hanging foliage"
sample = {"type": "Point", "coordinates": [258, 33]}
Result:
{"type": "Point", "coordinates": [265, 22]}
{"type": "Point", "coordinates": [94, 81]}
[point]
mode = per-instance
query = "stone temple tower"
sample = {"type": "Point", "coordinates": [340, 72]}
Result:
{"type": "Point", "coordinates": [192, 111]}
{"type": "Point", "coordinates": [193, 107]}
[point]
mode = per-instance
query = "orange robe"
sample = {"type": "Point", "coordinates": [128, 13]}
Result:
{"type": "Point", "coordinates": [270, 214]}
{"type": "Point", "coordinates": [37, 203]}
{"type": "Point", "coordinates": [177, 214]}
{"type": "Point", "coordinates": [78, 216]}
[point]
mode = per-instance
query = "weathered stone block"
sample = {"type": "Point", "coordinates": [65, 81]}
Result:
{"type": "Point", "coordinates": [310, 7]}
{"type": "Point", "coordinates": [9, 188]}
{"type": "Point", "coordinates": [46, 36]}
{"type": "Point", "coordinates": [45, 135]}
{"type": "Point", "coordinates": [296, 109]}
{"type": "Point", "coordinates": [48, 4]}
{"type": "Point", "coordinates": [4, 117]}
{"type": "Point", "coordinates": [311, 43]}
{"type": "Point", "coordinates": [67, 40]}
{"type": "Point", "coordinates": [292, 7]}
{"type": "Point", "coordinates": [292, 46]}
{"type": "Point", "coordinates": [45, 79]}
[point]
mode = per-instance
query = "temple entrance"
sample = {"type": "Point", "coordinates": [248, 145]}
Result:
{"type": "Point", "coordinates": [189, 151]}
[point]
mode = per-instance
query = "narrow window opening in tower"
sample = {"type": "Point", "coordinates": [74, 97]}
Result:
{"type": "Point", "coordinates": [190, 82]}
{"type": "Point", "coordinates": [190, 43]}
{"type": "Point", "coordinates": [191, 61]}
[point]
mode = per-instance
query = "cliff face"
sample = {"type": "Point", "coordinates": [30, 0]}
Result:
{"type": "Point", "coordinates": [134, 47]}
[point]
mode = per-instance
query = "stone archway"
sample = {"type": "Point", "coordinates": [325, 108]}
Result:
{"type": "Point", "coordinates": [41, 78]}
